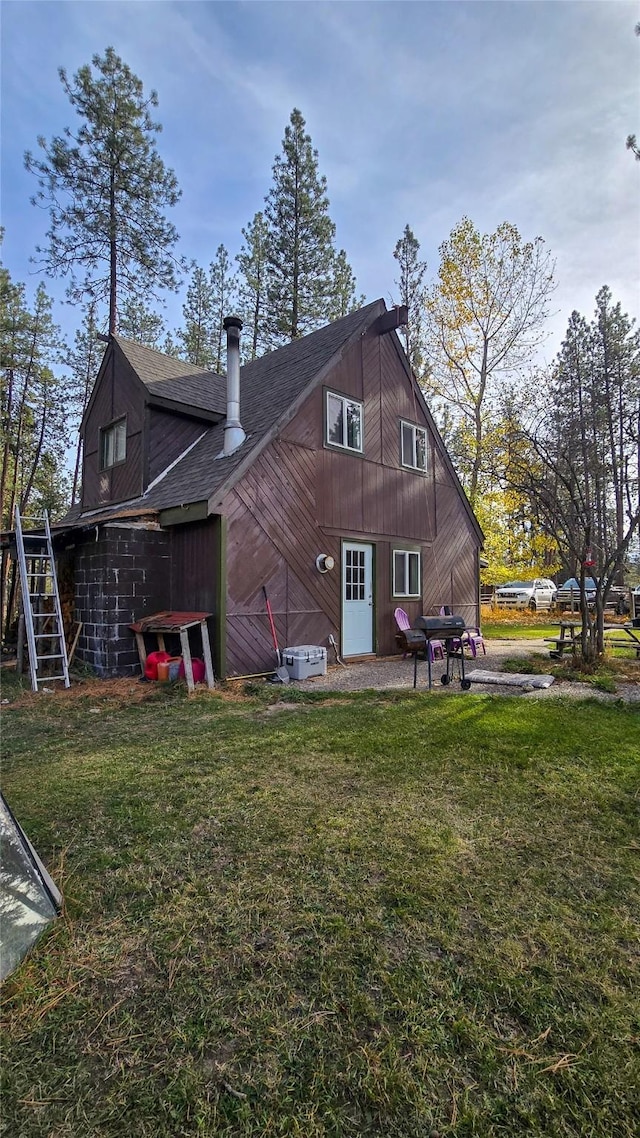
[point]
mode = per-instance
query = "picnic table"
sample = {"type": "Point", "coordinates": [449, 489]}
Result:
{"type": "Point", "coordinates": [625, 636]}
{"type": "Point", "coordinates": [568, 638]}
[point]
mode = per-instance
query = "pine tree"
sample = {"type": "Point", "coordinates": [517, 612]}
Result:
{"type": "Point", "coordinates": [107, 188]}
{"type": "Point", "coordinates": [252, 286]}
{"type": "Point", "coordinates": [32, 398]}
{"type": "Point", "coordinates": [32, 402]}
{"type": "Point", "coordinates": [578, 459]}
{"type": "Point", "coordinates": [197, 336]}
{"type": "Point", "coordinates": [222, 282]}
{"type": "Point", "coordinates": [343, 298]}
{"type": "Point", "coordinates": [83, 362]}
{"type": "Point", "coordinates": [414, 294]}
{"type": "Point", "coordinates": [137, 322]}
{"type": "Point", "coordinates": [170, 347]}
{"type": "Point", "coordinates": [300, 250]}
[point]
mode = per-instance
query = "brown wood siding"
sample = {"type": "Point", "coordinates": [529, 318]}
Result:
{"type": "Point", "coordinates": [169, 437]}
{"type": "Point", "coordinates": [194, 569]}
{"type": "Point", "coordinates": [301, 498]}
{"type": "Point", "coordinates": [120, 393]}
{"type": "Point", "coordinates": [273, 540]}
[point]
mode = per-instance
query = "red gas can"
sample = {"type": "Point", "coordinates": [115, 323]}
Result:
{"type": "Point", "coordinates": [198, 670]}
{"type": "Point", "coordinates": [151, 666]}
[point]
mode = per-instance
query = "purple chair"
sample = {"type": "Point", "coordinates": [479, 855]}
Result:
{"type": "Point", "coordinates": [475, 641]}
{"type": "Point", "coordinates": [472, 638]}
{"type": "Point", "coordinates": [434, 647]}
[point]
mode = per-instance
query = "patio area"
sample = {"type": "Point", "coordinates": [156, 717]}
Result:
{"type": "Point", "coordinates": [385, 673]}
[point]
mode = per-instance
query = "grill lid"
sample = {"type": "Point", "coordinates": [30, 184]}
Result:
{"type": "Point", "coordinates": [444, 625]}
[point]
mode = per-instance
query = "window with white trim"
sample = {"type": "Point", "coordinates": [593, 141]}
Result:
{"type": "Point", "coordinates": [406, 573]}
{"type": "Point", "coordinates": [344, 422]}
{"type": "Point", "coordinates": [113, 444]}
{"type": "Point", "coordinates": [413, 446]}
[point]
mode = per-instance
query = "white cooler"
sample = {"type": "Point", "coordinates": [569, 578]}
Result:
{"type": "Point", "coordinates": [304, 660]}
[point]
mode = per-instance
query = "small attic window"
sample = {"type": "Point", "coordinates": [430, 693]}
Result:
{"type": "Point", "coordinates": [113, 444]}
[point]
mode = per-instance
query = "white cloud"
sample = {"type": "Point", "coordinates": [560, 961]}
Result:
{"type": "Point", "coordinates": [420, 112]}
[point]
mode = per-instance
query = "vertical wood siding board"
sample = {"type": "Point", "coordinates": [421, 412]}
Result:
{"type": "Point", "coordinates": [194, 571]}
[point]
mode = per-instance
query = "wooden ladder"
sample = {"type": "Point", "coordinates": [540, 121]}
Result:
{"type": "Point", "coordinates": [38, 582]}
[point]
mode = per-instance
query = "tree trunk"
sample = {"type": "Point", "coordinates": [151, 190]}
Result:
{"type": "Point", "coordinates": [113, 259]}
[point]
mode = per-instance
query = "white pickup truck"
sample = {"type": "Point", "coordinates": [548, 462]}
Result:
{"type": "Point", "coordinates": [536, 594]}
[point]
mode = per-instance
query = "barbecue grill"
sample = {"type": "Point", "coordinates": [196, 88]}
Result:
{"type": "Point", "coordinates": [449, 629]}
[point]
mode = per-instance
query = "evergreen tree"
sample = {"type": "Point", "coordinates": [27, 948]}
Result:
{"type": "Point", "coordinates": [632, 142]}
{"type": "Point", "coordinates": [343, 298]}
{"type": "Point", "coordinates": [32, 401]}
{"type": "Point", "coordinates": [579, 459]}
{"type": "Point", "coordinates": [198, 333]}
{"type": "Point", "coordinates": [300, 250]}
{"type": "Point", "coordinates": [83, 362]}
{"type": "Point", "coordinates": [170, 347]}
{"type": "Point", "coordinates": [222, 283]}
{"type": "Point", "coordinates": [107, 189]}
{"type": "Point", "coordinates": [136, 322]}
{"type": "Point", "coordinates": [31, 397]}
{"type": "Point", "coordinates": [252, 286]}
{"type": "Point", "coordinates": [414, 294]}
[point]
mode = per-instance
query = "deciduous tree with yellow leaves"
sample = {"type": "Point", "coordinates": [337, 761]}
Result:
{"type": "Point", "coordinates": [485, 316]}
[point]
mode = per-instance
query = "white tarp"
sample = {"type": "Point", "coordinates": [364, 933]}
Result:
{"type": "Point", "coordinates": [510, 679]}
{"type": "Point", "coordinates": [29, 900]}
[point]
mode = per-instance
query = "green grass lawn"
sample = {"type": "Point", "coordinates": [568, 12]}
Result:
{"type": "Point", "coordinates": [390, 915]}
{"type": "Point", "coordinates": [506, 630]}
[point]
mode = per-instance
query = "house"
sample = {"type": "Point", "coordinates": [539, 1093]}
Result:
{"type": "Point", "coordinates": [323, 479]}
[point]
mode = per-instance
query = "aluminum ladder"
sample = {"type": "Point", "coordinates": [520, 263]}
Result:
{"type": "Point", "coordinates": [38, 581]}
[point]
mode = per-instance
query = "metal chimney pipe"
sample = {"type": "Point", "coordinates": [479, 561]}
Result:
{"type": "Point", "coordinates": [234, 435]}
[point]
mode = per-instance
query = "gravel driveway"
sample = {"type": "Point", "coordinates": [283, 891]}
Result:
{"type": "Point", "coordinates": [389, 672]}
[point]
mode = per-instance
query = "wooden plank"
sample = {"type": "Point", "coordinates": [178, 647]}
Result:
{"type": "Point", "coordinates": [186, 657]}
{"type": "Point", "coordinates": [206, 651]}
{"type": "Point", "coordinates": [221, 597]}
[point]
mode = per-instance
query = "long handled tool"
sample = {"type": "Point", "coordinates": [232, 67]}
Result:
{"type": "Point", "coordinates": [281, 674]}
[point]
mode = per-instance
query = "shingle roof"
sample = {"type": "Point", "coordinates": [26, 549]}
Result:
{"type": "Point", "coordinates": [177, 380]}
{"type": "Point", "coordinates": [269, 388]}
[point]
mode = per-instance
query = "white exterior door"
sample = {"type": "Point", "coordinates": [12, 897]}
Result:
{"type": "Point", "coordinates": [357, 599]}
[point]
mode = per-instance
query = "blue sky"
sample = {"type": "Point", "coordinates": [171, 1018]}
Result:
{"type": "Point", "coordinates": [421, 113]}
